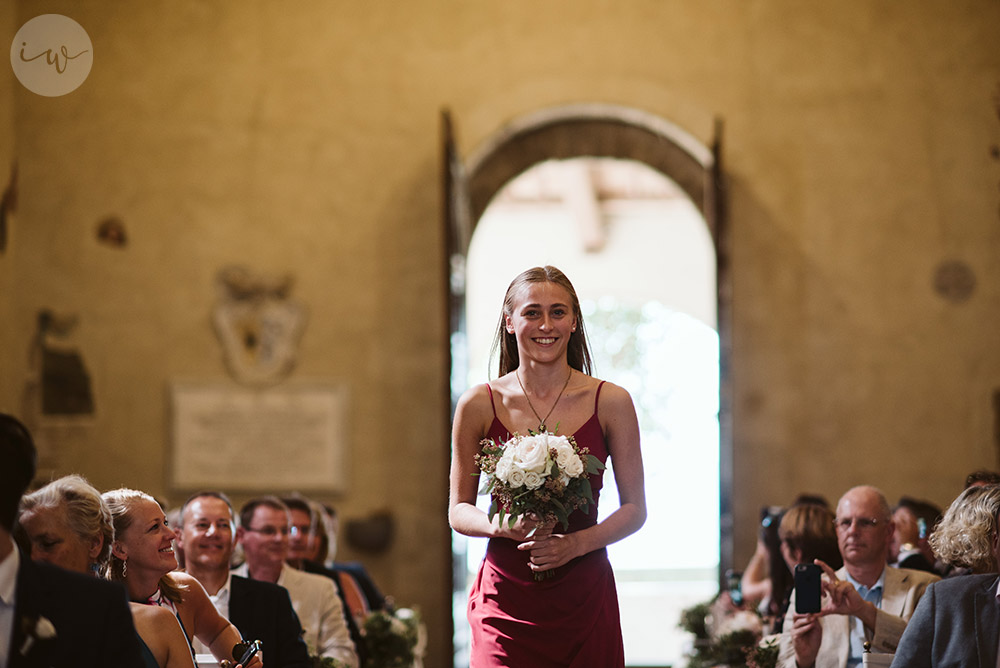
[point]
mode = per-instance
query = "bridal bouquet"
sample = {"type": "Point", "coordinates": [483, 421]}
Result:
{"type": "Point", "coordinates": [542, 474]}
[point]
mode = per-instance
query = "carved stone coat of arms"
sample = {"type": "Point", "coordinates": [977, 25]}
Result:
{"type": "Point", "coordinates": [258, 324]}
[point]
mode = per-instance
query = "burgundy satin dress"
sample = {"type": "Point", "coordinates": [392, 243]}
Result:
{"type": "Point", "coordinates": [569, 620]}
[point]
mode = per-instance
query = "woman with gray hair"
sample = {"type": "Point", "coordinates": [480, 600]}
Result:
{"type": "Point", "coordinates": [66, 523]}
{"type": "Point", "coordinates": [965, 536]}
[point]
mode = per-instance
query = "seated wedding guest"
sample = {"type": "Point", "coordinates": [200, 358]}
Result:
{"type": "Point", "coordinates": [50, 616]}
{"type": "Point", "coordinates": [260, 610]}
{"type": "Point", "coordinates": [307, 549]}
{"type": "Point", "coordinates": [962, 539]}
{"type": "Point", "coordinates": [909, 547]}
{"type": "Point", "coordinates": [67, 524]}
{"type": "Point", "coordinates": [354, 571]}
{"type": "Point", "coordinates": [304, 543]}
{"type": "Point", "coordinates": [174, 520]}
{"type": "Point", "coordinates": [766, 582]}
{"type": "Point", "coordinates": [806, 533]}
{"type": "Point", "coordinates": [757, 586]}
{"type": "Point", "coordinates": [263, 533]}
{"type": "Point", "coordinates": [865, 600]}
{"type": "Point", "coordinates": [957, 622]}
{"type": "Point", "coordinates": [982, 477]}
{"type": "Point", "coordinates": [142, 557]}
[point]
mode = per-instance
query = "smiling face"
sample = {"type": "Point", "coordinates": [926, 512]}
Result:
{"type": "Point", "coordinates": [147, 543]}
{"type": "Point", "coordinates": [542, 321]}
{"type": "Point", "coordinates": [53, 541]}
{"type": "Point", "coordinates": [206, 536]}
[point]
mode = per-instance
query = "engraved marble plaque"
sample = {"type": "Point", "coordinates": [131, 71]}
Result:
{"type": "Point", "coordinates": [235, 438]}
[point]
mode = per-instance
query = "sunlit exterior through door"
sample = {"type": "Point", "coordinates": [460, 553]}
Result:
{"type": "Point", "coordinates": [642, 261]}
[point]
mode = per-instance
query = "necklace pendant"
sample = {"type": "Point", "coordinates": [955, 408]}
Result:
{"type": "Point", "coordinates": [541, 427]}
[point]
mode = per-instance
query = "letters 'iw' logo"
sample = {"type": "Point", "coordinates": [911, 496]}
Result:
{"type": "Point", "coordinates": [51, 55]}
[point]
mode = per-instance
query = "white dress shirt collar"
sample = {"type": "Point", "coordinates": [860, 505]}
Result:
{"type": "Point", "coordinates": [8, 574]}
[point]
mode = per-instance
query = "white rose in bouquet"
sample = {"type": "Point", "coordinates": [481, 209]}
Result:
{"type": "Point", "coordinates": [505, 465]}
{"type": "Point", "coordinates": [564, 451]}
{"type": "Point", "coordinates": [533, 480]}
{"type": "Point", "coordinates": [516, 477]}
{"type": "Point", "coordinates": [532, 454]}
{"type": "Point", "coordinates": [573, 467]}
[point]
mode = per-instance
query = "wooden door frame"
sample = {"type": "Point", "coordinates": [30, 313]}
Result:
{"type": "Point", "coordinates": [602, 131]}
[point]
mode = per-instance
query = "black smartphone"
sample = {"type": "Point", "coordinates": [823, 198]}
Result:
{"type": "Point", "coordinates": [807, 588]}
{"type": "Point", "coordinates": [245, 651]}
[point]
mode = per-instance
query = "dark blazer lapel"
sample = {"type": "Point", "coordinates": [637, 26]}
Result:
{"type": "Point", "coordinates": [239, 604]}
{"type": "Point", "coordinates": [31, 589]}
{"type": "Point", "coordinates": [987, 621]}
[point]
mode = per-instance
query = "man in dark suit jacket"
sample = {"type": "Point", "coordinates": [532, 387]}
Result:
{"type": "Point", "coordinates": [260, 610]}
{"type": "Point", "coordinates": [263, 611]}
{"type": "Point", "coordinates": [956, 623]}
{"type": "Point", "coordinates": [50, 617]}
{"type": "Point", "coordinates": [89, 618]}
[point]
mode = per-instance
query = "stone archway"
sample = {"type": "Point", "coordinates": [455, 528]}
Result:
{"type": "Point", "coordinates": [600, 131]}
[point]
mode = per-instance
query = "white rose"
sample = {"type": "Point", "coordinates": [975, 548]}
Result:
{"type": "Point", "coordinates": [516, 476]}
{"type": "Point", "coordinates": [532, 480]}
{"type": "Point", "coordinates": [533, 454]}
{"type": "Point", "coordinates": [502, 471]}
{"type": "Point", "coordinates": [573, 467]}
{"type": "Point", "coordinates": [564, 451]}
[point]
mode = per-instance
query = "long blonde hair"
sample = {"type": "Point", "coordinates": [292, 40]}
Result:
{"type": "Point", "coordinates": [121, 503]}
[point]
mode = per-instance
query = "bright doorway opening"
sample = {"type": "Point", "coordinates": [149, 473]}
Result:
{"type": "Point", "coordinates": [642, 260]}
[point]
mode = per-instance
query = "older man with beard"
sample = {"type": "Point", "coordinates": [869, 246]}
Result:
{"type": "Point", "coordinates": [260, 610]}
{"type": "Point", "coordinates": [864, 600]}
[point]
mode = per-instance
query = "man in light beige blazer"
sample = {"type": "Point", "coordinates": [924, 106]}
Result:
{"type": "Point", "coordinates": [864, 600]}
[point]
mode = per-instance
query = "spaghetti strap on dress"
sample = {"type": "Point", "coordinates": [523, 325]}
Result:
{"type": "Point", "coordinates": [162, 601]}
{"type": "Point", "coordinates": [570, 620]}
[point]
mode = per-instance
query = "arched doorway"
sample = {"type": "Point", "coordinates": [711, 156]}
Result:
{"type": "Point", "coordinates": [571, 132]}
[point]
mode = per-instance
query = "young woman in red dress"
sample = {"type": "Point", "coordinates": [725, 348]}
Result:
{"type": "Point", "coordinates": [571, 618]}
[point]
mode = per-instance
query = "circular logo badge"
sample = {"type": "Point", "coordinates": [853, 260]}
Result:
{"type": "Point", "coordinates": [51, 55]}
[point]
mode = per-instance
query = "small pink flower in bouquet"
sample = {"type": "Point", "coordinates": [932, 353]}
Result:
{"type": "Point", "coordinates": [540, 474]}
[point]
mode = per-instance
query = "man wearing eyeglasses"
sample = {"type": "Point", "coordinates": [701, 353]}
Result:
{"type": "Point", "coordinates": [866, 600]}
{"type": "Point", "coordinates": [263, 533]}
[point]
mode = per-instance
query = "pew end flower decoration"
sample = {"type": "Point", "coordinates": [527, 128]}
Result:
{"type": "Point", "coordinates": [394, 639]}
{"type": "Point", "coordinates": [541, 474]}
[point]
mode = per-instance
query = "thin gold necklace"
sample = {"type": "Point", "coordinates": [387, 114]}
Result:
{"type": "Point", "coordinates": [541, 421]}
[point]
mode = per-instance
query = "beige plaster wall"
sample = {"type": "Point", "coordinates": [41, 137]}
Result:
{"type": "Point", "coordinates": [304, 137]}
{"type": "Point", "coordinates": [7, 136]}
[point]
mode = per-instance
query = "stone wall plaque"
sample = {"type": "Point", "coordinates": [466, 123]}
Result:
{"type": "Point", "coordinates": [235, 438]}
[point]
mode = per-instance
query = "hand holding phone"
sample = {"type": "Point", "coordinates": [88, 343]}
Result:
{"type": "Point", "coordinates": [807, 588]}
{"type": "Point", "coordinates": [244, 651]}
